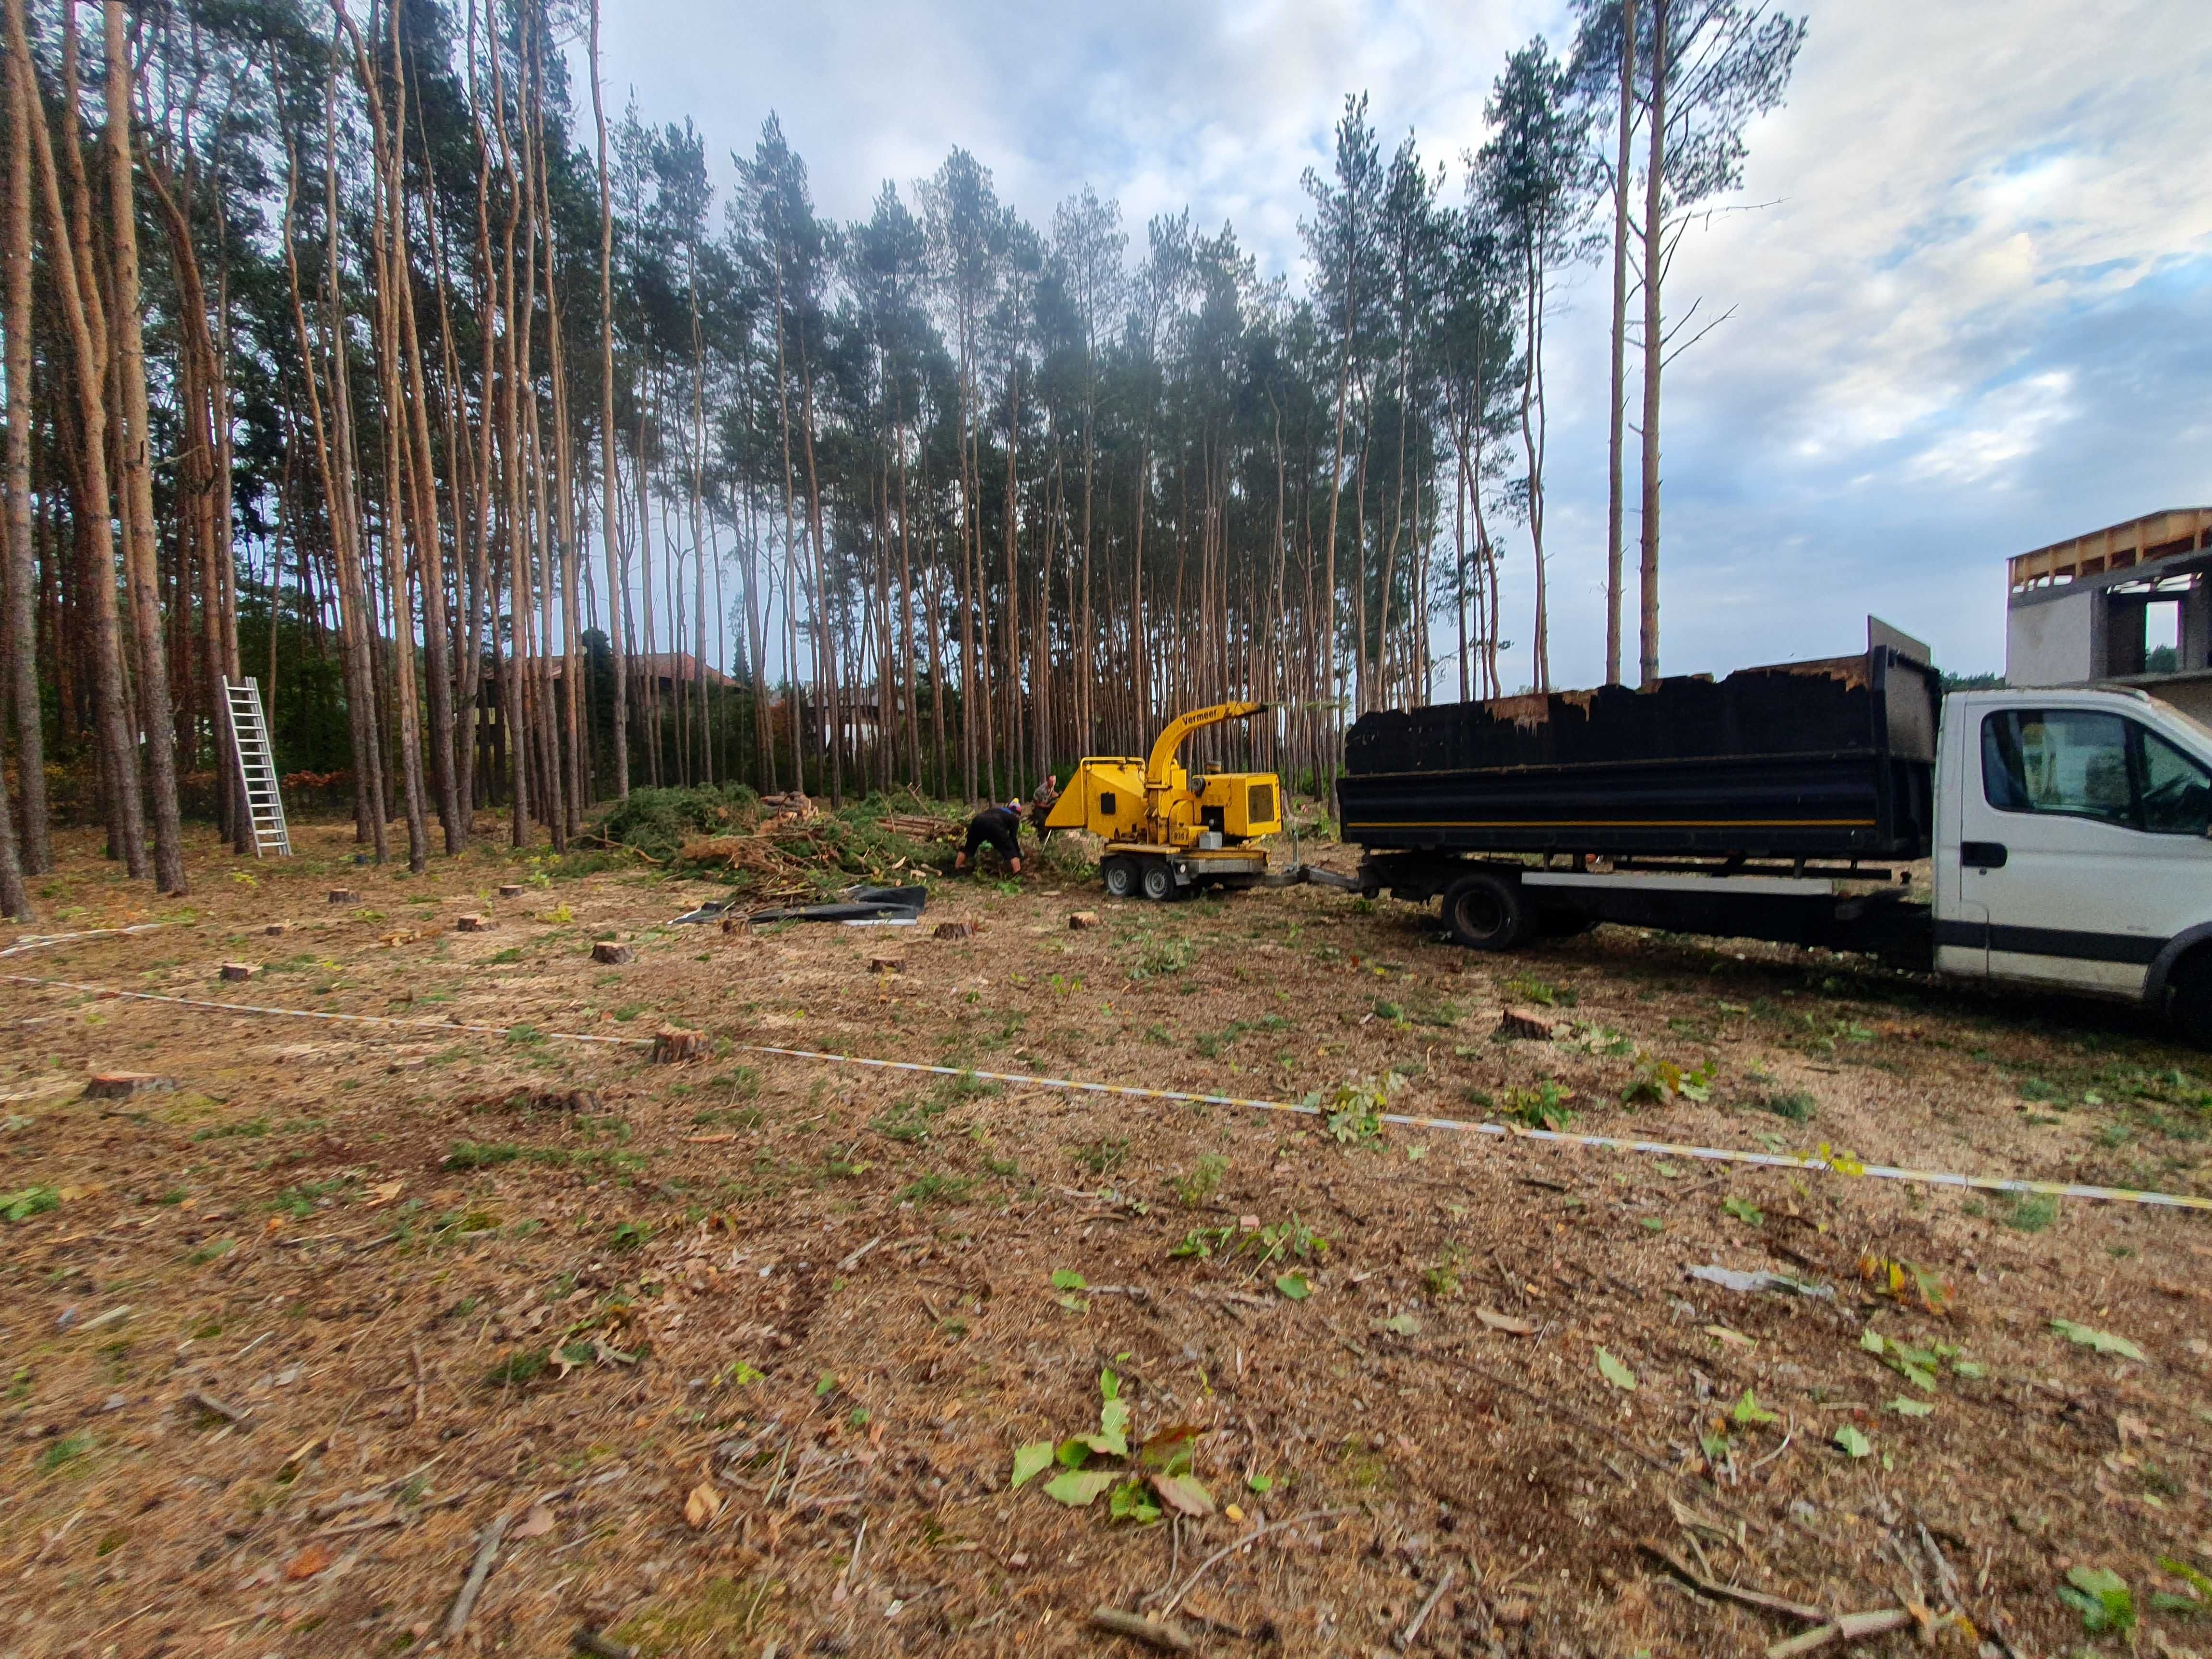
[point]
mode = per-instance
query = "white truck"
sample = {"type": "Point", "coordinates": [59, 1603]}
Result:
{"type": "Point", "coordinates": [2066, 829]}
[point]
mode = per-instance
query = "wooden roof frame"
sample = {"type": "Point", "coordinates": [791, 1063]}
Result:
{"type": "Point", "coordinates": [2161, 534]}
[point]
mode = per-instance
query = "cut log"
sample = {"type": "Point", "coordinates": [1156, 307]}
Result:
{"type": "Point", "coordinates": [672, 1046]}
{"type": "Point", "coordinates": [614, 955]}
{"type": "Point", "coordinates": [123, 1085]}
{"type": "Point", "coordinates": [1533, 1023]}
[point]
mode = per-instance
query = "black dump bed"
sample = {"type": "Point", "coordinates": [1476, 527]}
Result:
{"type": "Point", "coordinates": [1830, 759]}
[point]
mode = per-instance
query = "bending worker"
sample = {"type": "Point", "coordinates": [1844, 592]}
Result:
{"type": "Point", "coordinates": [999, 827]}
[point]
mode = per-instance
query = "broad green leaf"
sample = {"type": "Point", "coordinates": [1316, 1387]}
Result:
{"type": "Point", "coordinates": [2102, 1597]}
{"type": "Point", "coordinates": [1744, 1211]}
{"type": "Point", "coordinates": [1184, 1494]}
{"type": "Point", "coordinates": [1748, 1411]}
{"type": "Point", "coordinates": [1067, 1278]}
{"type": "Point", "coordinates": [1133, 1502]}
{"type": "Point", "coordinates": [1113, 1437]}
{"type": "Point", "coordinates": [1402, 1324]}
{"type": "Point", "coordinates": [1075, 1451]}
{"type": "Point", "coordinates": [1973, 1368]}
{"type": "Point", "coordinates": [2102, 1342]}
{"type": "Point", "coordinates": [1615, 1372]}
{"type": "Point", "coordinates": [1295, 1285]}
{"type": "Point", "coordinates": [1171, 1449]}
{"type": "Point", "coordinates": [1075, 1303]}
{"type": "Point", "coordinates": [1872, 1341]}
{"type": "Point", "coordinates": [1261, 1483]}
{"type": "Point", "coordinates": [1905, 1406]}
{"type": "Point", "coordinates": [1109, 1386]}
{"type": "Point", "coordinates": [1852, 1441]}
{"type": "Point", "coordinates": [1715, 1446]}
{"type": "Point", "coordinates": [1031, 1460]}
{"type": "Point", "coordinates": [1080, 1488]}
{"type": "Point", "coordinates": [1919, 1377]}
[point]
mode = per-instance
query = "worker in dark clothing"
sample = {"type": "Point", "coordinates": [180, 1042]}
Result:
{"type": "Point", "coordinates": [1041, 805]}
{"type": "Point", "coordinates": [996, 826]}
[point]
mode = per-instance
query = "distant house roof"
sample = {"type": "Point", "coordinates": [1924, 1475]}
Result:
{"type": "Point", "coordinates": [671, 665]}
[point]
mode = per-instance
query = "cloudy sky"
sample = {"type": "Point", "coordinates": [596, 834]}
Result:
{"type": "Point", "coordinates": [1972, 312]}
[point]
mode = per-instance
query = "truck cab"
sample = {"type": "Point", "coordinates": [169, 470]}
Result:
{"type": "Point", "coordinates": [2071, 846]}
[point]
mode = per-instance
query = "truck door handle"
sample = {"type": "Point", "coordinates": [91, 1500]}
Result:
{"type": "Point", "coordinates": [1982, 855]}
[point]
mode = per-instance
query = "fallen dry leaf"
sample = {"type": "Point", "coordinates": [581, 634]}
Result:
{"type": "Point", "coordinates": [385, 1191]}
{"type": "Point", "coordinates": [702, 1506]}
{"type": "Point", "coordinates": [1505, 1322]}
{"type": "Point", "coordinates": [538, 1523]}
{"type": "Point", "coordinates": [709, 1140]}
{"type": "Point", "coordinates": [309, 1561]}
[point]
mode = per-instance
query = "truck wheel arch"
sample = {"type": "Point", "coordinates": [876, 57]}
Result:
{"type": "Point", "coordinates": [2167, 964]}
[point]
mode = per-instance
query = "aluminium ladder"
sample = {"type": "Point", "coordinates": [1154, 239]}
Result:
{"type": "Point", "coordinates": [257, 768]}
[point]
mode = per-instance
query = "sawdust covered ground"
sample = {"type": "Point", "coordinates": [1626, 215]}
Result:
{"type": "Point", "coordinates": [291, 1338]}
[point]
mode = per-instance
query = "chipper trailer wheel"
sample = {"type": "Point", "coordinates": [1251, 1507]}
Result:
{"type": "Point", "coordinates": [1486, 911]}
{"type": "Point", "coordinates": [1159, 881]}
{"type": "Point", "coordinates": [1119, 876]}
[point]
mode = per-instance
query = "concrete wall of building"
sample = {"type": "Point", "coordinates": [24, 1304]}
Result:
{"type": "Point", "coordinates": [2053, 642]}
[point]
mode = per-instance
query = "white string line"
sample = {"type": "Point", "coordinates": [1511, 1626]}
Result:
{"type": "Point", "coordinates": [1457, 1125]}
{"type": "Point", "coordinates": [1607, 1143]}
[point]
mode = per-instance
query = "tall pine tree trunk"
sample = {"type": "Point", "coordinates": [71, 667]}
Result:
{"type": "Point", "coordinates": [1654, 237]}
{"type": "Point", "coordinates": [21, 619]}
{"type": "Point", "coordinates": [617, 594]}
{"type": "Point", "coordinates": [158, 720]}
{"type": "Point", "coordinates": [1616, 487]}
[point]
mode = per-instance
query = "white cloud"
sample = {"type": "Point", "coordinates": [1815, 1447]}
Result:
{"type": "Point", "coordinates": [2005, 426]}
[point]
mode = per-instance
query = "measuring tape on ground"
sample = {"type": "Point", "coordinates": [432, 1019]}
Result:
{"type": "Point", "coordinates": [1809, 1163]}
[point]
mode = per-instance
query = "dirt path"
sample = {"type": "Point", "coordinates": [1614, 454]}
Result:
{"type": "Point", "coordinates": [289, 1339]}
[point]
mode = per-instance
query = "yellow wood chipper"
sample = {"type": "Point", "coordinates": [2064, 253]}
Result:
{"type": "Point", "coordinates": [1169, 831]}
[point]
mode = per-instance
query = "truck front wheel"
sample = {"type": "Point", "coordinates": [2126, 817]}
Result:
{"type": "Point", "coordinates": [1486, 912]}
{"type": "Point", "coordinates": [1120, 878]}
{"type": "Point", "coordinates": [2189, 1003]}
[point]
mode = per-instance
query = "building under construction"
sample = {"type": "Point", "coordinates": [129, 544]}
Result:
{"type": "Point", "coordinates": [2128, 605]}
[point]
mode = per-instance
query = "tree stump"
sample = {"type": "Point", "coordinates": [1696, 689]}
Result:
{"type": "Point", "coordinates": [345, 895]}
{"type": "Point", "coordinates": [887, 964]}
{"type": "Point", "coordinates": [613, 955]}
{"type": "Point", "coordinates": [472, 924]}
{"type": "Point", "coordinates": [958, 929]}
{"type": "Point", "coordinates": [673, 1046]}
{"type": "Point", "coordinates": [123, 1085]}
{"type": "Point", "coordinates": [1533, 1023]}
{"type": "Point", "coordinates": [277, 929]}
{"type": "Point", "coordinates": [238, 971]}
{"type": "Point", "coordinates": [512, 889]}
{"type": "Point", "coordinates": [1081, 920]}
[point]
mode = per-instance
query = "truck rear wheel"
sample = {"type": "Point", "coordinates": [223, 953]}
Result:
{"type": "Point", "coordinates": [2188, 1004]}
{"type": "Point", "coordinates": [1486, 912]}
{"type": "Point", "coordinates": [1159, 881]}
{"type": "Point", "coordinates": [1119, 876]}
